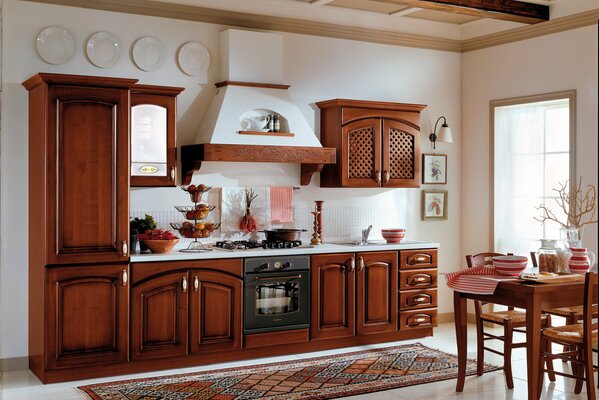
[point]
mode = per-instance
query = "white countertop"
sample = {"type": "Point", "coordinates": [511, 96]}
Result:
{"type": "Point", "coordinates": [176, 255]}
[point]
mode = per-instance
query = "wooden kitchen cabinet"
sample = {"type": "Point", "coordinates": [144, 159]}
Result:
{"type": "Point", "coordinates": [215, 312]}
{"type": "Point", "coordinates": [153, 135]}
{"type": "Point", "coordinates": [87, 316]}
{"type": "Point", "coordinates": [353, 293]}
{"type": "Point", "coordinates": [177, 309]}
{"type": "Point", "coordinates": [417, 289]}
{"type": "Point", "coordinates": [159, 316]}
{"type": "Point", "coordinates": [79, 168]}
{"type": "Point", "coordinates": [332, 285]}
{"type": "Point", "coordinates": [376, 289]}
{"type": "Point", "coordinates": [378, 144]}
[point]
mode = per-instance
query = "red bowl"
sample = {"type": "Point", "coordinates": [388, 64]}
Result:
{"type": "Point", "coordinates": [393, 235]}
{"type": "Point", "coordinates": [510, 265]}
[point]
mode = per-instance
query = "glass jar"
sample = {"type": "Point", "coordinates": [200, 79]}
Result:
{"type": "Point", "coordinates": [551, 256]}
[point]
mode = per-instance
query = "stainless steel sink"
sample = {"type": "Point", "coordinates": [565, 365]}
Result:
{"type": "Point", "coordinates": [358, 243]}
{"type": "Point", "coordinates": [372, 243]}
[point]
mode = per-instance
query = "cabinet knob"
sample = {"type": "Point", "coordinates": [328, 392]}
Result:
{"type": "Point", "coordinates": [386, 176]}
{"type": "Point", "coordinates": [361, 261]}
{"type": "Point", "coordinates": [124, 277]}
{"type": "Point", "coordinates": [184, 284]}
{"type": "Point", "coordinates": [172, 174]}
{"type": "Point", "coordinates": [196, 283]}
{"type": "Point", "coordinates": [377, 176]}
{"type": "Point", "coordinates": [125, 248]}
{"type": "Point", "coordinates": [352, 264]}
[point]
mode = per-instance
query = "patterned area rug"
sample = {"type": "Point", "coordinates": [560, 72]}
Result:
{"type": "Point", "coordinates": [308, 379]}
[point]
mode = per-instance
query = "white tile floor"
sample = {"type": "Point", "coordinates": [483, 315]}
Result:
{"type": "Point", "coordinates": [23, 385]}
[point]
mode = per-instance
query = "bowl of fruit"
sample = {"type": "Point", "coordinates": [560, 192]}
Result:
{"type": "Point", "coordinates": [195, 231]}
{"type": "Point", "coordinates": [196, 192]}
{"type": "Point", "coordinates": [197, 212]}
{"type": "Point", "coordinates": [158, 240]}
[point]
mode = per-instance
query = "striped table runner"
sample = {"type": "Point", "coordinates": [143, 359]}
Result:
{"type": "Point", "coordinates": [482, 279]}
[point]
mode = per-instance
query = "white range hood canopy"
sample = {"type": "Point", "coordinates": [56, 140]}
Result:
{"type": "Point", "coordinates": [252, 88]}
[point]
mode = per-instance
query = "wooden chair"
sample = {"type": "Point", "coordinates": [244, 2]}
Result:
{"type": "Point", "coordinates": [511, 320]}
{"type": "Point", "coordinates": [581, 340]}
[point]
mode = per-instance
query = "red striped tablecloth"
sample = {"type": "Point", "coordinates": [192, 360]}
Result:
{"type": "Point", "coordinates": [482, 279]}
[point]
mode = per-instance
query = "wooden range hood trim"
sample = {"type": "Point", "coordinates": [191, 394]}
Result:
{"type": "Point", "coordinates": [252, 84]}
{"type": "Point", "coordinates": [312, 159]}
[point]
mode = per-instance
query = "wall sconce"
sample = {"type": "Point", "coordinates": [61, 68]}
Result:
{"type": "Point", "coordinates": [444, 133]}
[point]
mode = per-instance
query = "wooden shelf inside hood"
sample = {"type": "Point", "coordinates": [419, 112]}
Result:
{"type": "Point", "coordinates": [312, 159]}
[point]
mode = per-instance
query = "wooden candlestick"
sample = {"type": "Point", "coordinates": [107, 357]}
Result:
{"type": "Point", "coordinates": [319, 218]}
{"type": "Point", "coordinates": [315, 238]}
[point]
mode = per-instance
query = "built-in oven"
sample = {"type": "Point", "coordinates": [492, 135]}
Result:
{"type": "Point", "coordinates": [276, 293]}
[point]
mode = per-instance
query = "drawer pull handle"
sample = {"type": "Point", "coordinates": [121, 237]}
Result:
{"type": "Point", "coordinates": [420, 299]}
{"type": "Point", "coordinates": [172, 174]}
{"type": "Point", "coordinates": [125, 277]}
{"type": "Point", "coordinates": [184, 284]}
{"type": "Point", "coordinates": [421, 259]}
{"type": "Point", "coordinates": [420, 279]}
{"type": "Point", "coordinates": [361, 263]}
{"type": "Point", "coordinates": [196, 283]}
{"type": "Point", "coordinates": [125, 248]}
{"type": "Point", "coordinates": [377, 176]}
{"type": "Point", "coordinates": [386, 176]}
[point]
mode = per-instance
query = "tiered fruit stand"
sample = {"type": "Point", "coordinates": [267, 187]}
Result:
{"type": "Point", "coordinates": [196, 226]}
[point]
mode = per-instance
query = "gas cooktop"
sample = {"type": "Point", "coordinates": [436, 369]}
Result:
{"type": "Point", "coordinates": [254, 244]}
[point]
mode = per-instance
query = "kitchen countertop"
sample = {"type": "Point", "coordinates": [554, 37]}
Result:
{"type": "Point", "coordinates": [176, 255]}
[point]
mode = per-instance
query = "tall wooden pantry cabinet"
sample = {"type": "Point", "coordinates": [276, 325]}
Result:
{"type": "Point", "coordinates": [78, 222]}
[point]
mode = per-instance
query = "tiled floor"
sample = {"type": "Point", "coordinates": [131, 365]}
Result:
{"type": "Point", "coordinates": [22, 385]}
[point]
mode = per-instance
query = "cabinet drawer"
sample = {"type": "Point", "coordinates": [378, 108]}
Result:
{"type": "Point", "coordinates": [410, 299]}
{"type": "Point", "coordinates": [417, 319]}
{"type": "Point", "coordinates": [418, 258]}
{"type": "Point", "coordinates": [421, 278]}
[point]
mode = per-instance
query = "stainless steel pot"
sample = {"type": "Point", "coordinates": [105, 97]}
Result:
{"type": "Point", "coordinates": [284, 235]}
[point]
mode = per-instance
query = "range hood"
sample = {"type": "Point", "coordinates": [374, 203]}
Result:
{"type": "Point", "coordinates": [235, 127]}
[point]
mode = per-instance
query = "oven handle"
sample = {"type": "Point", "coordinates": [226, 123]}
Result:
{"type": "Point", "coordinates": [270, 278]}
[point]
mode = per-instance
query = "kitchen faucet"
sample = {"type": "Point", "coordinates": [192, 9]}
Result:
{"type": "Point", "coordinates": [365, 234]}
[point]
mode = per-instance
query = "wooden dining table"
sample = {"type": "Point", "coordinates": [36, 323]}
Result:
{"type": "Point", "coordinates": [533, 297]}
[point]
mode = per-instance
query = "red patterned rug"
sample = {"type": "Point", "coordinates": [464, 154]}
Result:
{"type": "Point", "coordinates": [307, 379]}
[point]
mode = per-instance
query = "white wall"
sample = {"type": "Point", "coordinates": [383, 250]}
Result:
{"type": "Point", "coordinates": [317, 68]}
{"type": "Point", "coordinates": [552, 63]}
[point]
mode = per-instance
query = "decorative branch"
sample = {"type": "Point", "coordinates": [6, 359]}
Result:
{"type": "Point", "coordinates": [579, 207]}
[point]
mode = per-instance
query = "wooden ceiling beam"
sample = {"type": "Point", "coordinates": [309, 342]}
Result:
{"type": "Point", "coordinates": [508, 10]}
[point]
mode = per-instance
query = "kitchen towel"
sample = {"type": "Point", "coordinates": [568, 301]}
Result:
{"type": "Point", "coordinates": [482, 279]}
{"type": "Point", "coordinates": [281, 204]}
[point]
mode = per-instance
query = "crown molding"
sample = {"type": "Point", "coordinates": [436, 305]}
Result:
{"type": "Point", "coordinates": [295, 25]}
{"type": "Point", "coordinates": [557, 25]}
{"type": "Point", "coordinates": [258, 21]}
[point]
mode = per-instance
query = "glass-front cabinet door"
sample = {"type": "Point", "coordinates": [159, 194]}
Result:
{"type": "Point", "coordinates": [153, 135]}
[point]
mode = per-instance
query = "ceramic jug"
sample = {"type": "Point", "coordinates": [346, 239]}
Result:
{"type": "Point", "coordinates": [580, 260]}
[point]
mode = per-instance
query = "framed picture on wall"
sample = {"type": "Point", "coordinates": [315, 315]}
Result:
{"type": "Point", "coordinates": [434, 168]}
{"type": "Point", "coordinates": [434, 204]}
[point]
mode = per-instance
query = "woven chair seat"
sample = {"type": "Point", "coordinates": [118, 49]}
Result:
{"type": "Point", "coordinates": [501, 317]}
{"type": "Point", "coordinates": [566, 312]}
{"type": "Point", "coordinates": [568, 334]}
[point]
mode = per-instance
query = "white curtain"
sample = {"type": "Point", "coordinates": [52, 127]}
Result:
{"type": "Point", "coordinates": [525, 172]}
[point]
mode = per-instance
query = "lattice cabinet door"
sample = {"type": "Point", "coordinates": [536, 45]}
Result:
{"type": "Point", "coordinates": [361, 153]}
{"type": "Point", "coordinates": [401, 154]}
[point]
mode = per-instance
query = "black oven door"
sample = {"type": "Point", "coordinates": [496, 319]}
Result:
{"type": "Point", "coordinates": [277, 301]}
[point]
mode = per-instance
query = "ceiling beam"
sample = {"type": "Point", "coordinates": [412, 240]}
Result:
{"type": "Point", "coordinates": [320, 2]}
{"type": "Point", "coordinates": [508, 10]}
{"type": "Point", "coordinates": [405, 11]}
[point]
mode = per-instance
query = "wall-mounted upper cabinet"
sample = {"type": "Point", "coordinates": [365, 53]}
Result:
{"type": "Point", "coordinates": [153, 135]}
{"type": "Point", "coordinates": [378, 143]}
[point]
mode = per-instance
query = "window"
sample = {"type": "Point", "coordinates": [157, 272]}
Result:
{"type": "Point", "coordinates": [533, 152]}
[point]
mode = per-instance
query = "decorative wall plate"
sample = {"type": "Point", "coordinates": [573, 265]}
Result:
{"type": "Point", "coordinates": [55, 45]}
{"type": "Point", "coordinates": [103, 49]}
{"type": "Point", "coordinates": [194, 59]}
{"type": "Point", "coordinates": [148, 53]}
